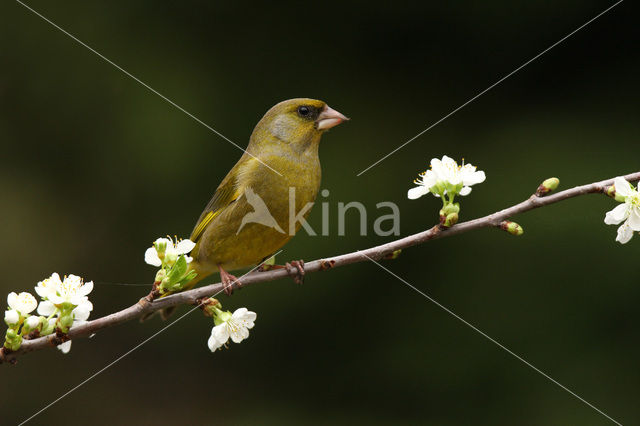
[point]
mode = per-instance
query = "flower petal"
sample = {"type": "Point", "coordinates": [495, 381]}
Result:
{"type": "Point", "coordinates": [617, 215]}
{"type": "Point", "coordinates": [213, 344]}
{"type": "Point", "coordinates": [42, 291]}
{"type": "Point", "coordinates": [240, 312]}
{"type": "Point", "coordinates": [151, 257]}
{"type": "Point", "coordinates": [12, 299]}
{"type": "Point", "coordinates": [221, 333]}
{"type": "Point", "coordinates": [46, 308]}
{"type": "Point", "coordinates": [622, 187]}
{"type": "Point", "coordinates": [446, 160]}
{"type": "Point", "coordinates": [239, 334]}
{"type": "Point", "coordinates": [466, 190]}
{"type": "Point", "coordinates": [73, 280]}
{"type": "Point", "coordinates": [250, 316]}
{"type": "Point", "coordinates": [624, 234]}
{"type": "Point", "coordinates": [65, 347]}
{"type": "Point", "coordinates": [56, 299]}
{"type": "Point", "coordinates": [82, 311]}
{"type": "Point", "coordinates": [86, 288]}
{"type": "Point", "coordinates": [417, 192]}
{"type": "Point", "coordinates": [429, 179]}
{"type": "Point", "coordinates": [634, 219]}
{"type": "Point", "coordinates": [475, 177]}
{"type": "Point", "coordinates": [185, 246]}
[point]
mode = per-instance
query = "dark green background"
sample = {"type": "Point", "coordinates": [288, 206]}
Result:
{"type": "Point", "coordinates": [94, 167]}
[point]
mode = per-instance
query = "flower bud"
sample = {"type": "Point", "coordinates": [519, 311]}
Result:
{"type": "Point", "coordinates": [30, 324]}
{"type": "Point", "coordinates": [160, 275]}
{"type": "Point", "coordinates": [48, 326]}
{"type": "Point", "coordinates": [447, 213]}
{"type": "Point", "coordinates": [11, 317]}
{"type": "Point", "coordinates": [512, 228]}
{"type": "Point", "coordinates": [210, 306]}
{"type": "Point", "coordinates": [451, 208]}
{"type": "Point", "coordinates": [611, 192]}
{"type": "Point", "coordinates": [161, 245]}
{"type": "Point", "coordinates": [450, 220]}
{"type": "Point", "coordinates": [12, 340]}
{"type": "Point", "coordinates": [393, 255]}
{"type": "Point", "coordinates": [547, 186]}
{"type": "Point", "coordinates": [33, 322]}
{"type": "Point", "coordinates": [65, 322]}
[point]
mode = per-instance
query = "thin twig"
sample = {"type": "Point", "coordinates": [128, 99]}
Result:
{"type": "Point", "coordinates": [191, 297]}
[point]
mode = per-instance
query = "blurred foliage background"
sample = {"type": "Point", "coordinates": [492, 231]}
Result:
{"type": "Point", "coordinates": [94, 167]}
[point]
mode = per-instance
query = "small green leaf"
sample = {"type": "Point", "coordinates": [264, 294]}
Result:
{"type": "Point", "coordinates": [178, 270]}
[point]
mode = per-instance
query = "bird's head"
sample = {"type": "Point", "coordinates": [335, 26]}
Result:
{"type": "Point", "coordinates": [297, 122]}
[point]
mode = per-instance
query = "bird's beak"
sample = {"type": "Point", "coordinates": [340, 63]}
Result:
{"type": "Point", "coordinates": [329, 118]}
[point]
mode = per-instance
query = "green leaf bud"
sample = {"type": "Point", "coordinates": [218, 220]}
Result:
{"type": "Point", "coordinates": [547, 186]}
{"type": "Point", "coordinates": [65, 322]}
{"type": "Point", "coordinates": [611, 192]}
{"type": "Point", "coordinates": [450, 220]}
{"type": "Point", "coordinates": [393, 255]}
{"type": "Point", "coordinates": [450, 208]}
{"type": "Point", "coordinates": [512, 227]}
{"type": "Point", "coordinates": [12, 340]}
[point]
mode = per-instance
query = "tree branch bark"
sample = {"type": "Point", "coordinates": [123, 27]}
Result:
{"type": "Point", "coordinates": [376, 253]}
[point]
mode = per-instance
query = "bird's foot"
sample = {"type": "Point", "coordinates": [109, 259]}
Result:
{"type": "Point", "coordinates": [298, 273]}
{"type": "Point", "coordinates": [295, 268]}
{"type": "Point", "coordinates": [228, 281]}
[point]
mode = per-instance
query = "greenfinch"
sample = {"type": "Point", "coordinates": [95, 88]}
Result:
{"type": "Point", "coordinates": [259, 204]}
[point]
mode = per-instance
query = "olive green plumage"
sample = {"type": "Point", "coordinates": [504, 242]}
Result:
{"type": "Point", "coordinates": [286, 140]}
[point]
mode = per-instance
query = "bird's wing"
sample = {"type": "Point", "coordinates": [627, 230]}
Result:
{"type": "Point", "coordinates": [229, 190]}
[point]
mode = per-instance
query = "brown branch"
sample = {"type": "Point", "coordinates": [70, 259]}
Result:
{"type": "Point", "coordinates": [376, 253]}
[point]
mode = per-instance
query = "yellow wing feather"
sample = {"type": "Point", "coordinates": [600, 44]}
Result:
{"type": "Point", "coordinates": [199, 229]}
{"type": "Point", "coordinates": [229, 190]}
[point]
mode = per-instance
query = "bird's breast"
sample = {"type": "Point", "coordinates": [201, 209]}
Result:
{"type": "Point", "coordinates": [265, 216]}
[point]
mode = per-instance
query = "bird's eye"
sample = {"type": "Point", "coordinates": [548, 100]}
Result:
{"type": "Point", "coordinates": [304, 111]}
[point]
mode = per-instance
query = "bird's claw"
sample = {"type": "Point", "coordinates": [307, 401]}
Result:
{"type": "Point", "coordinates": [228, 281]}
{"type": "Point", "coordinates": [295, 268]}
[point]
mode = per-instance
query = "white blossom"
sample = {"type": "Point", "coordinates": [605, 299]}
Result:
{"type": "Point", "coordinates": [627, 213]}
{"type": "Point", "coordinates": [48, 286]}
{"type": "Point", "coordinates": [446, 176]}
{"type": "Point", "coordinates": [235, 326]}
{"type": "Point", "coordinates": [72, 290]}
{"type": "Point", "coordinates": [57, 293]}
{"type": "Point", "coordinates": [24, 302]}
{"type": "Point", "coordinates": [80, 313]}
{"type": "Point", "coordinates": [167, 249]}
